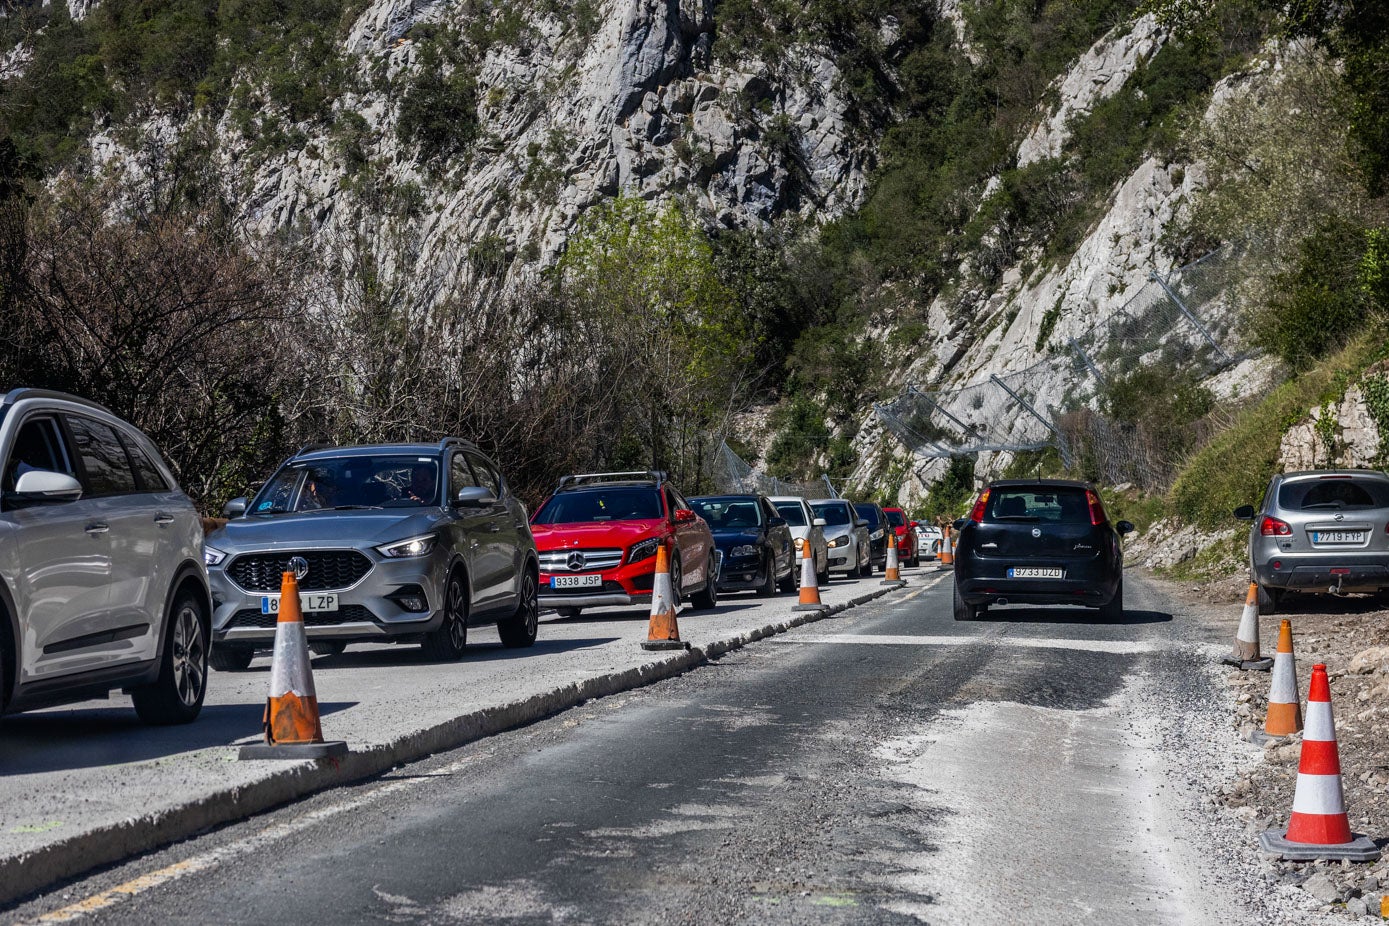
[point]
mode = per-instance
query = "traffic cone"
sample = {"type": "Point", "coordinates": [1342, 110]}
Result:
{"type": "Point", "coordinates": [892, 573]}
{"type": "Point", "coordinates": [662, 631]}
{"type": "Point", "coordinates": [1246, 652]}
{"type": "Point", "coordinates": [810, 586]}
{"type": "Point", "coordinates": [1284, 706]}
{"type": "Point", "coordinates": [947, 549]}
{"type": "Point", "coordinates": [292, 728]}
{"type": "Point", "coordinates": [1319, 827]}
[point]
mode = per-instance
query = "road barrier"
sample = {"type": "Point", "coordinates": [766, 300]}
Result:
{"type": "Point", "coordinates": [1284, 705]}
{"type": "Point", "coordinates": [892, 571]}
{"type": "Point", "coordinates": [810, 585]}
{"type": "Point", "coordinates": [1319, 827]}
{"type": "Point", "coordinates": [291, 722]}
{"type": "Point", "coordinates": [1245, 655]}
{"type": "Point", "coordinates": [663, 632]}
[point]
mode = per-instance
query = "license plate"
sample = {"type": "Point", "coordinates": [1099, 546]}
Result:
{"type": "Point", "coordinates": [1036, 572]}
{"type": "Point", "coordinates": [593, 581]}
{"type": "Point", "coordinates": [308, 601]}
{"type": "Point", "coordinates": [1338, 536]}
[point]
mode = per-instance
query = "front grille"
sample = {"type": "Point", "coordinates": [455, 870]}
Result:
{"type": "Point", "coordinates": [593, 560]}
{"type": "Point", "coordinates": [348, 614]}
{"type": "Point", "coordinates": [328, 569]}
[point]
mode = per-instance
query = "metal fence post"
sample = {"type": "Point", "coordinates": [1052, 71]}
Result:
{"type": "Point", "coordinates": [1171, 294]}
{"type": "Point", "coordinates": [971, 431]}
{"type": "Point", "coordinates": [1089, 364]}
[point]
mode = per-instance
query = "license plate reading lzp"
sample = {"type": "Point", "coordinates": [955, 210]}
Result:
{"type": "Point", "coordinates": [308, 601]}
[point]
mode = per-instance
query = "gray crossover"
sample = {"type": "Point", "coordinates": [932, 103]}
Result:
{"type": "Point", "coordinates": [102, 583]}
{"type": "Point", "coordinates": [406, 543]}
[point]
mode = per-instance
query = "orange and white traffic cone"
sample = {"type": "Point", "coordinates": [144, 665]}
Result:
{"type": "Point", "coordinates": [1319, 827]}
{"type": "Point", "coordinates": [892, 572]}
{"type": "Point", "coordinates": [810, 585]}
{"type": "Point", "coordinates": [291, 724]}
{"type": "Point", "coordinates": [1284, 705]}
{"type": "Point", "coordinates": [662, 631]}
{"type": "Point", "coordinates": [1246, 652]}
{"type": "Point", "coordinates": [947, 550]}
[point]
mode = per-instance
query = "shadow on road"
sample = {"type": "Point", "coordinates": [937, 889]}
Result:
{"type": "Point", "coordinates": [407, 655]}
{"type": "Point", "coordinates": [68, 738]}
{"type": "Point", "coordinates": [1330, 605]}
{"type": "Point", "coordinates": [643, 614]}
{"type": "Point", "coordinates": [1076, 616]}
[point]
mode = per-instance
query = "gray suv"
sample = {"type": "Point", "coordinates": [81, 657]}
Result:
{"type": "Point", "coordinates": [1320, 531]}
{"type": "Point", "coordinates": [391, 543]}
{"type": "Point", "coordinates": [102, 584]}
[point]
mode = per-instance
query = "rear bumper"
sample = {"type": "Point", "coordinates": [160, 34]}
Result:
{"type": "Point", "coordinates": [1088, 583]}
{"type": "Point", "coordinates": [1364, 572]}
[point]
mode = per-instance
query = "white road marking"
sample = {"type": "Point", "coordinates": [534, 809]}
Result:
{"type": "Point", "coordinates": [886, 639]}
{"type": "Point", "coordinates": [237, 849]}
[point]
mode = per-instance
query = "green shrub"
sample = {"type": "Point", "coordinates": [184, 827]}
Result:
{"type": "Point", "coordinates": [438, 113]}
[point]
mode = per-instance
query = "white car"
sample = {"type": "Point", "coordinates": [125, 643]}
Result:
{"type": "Point", "coordinates": [805, 526]}
{"type": "Point", "coordinates": [928, 540]}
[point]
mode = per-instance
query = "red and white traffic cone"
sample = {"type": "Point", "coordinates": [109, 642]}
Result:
{"type": "Point", "coordinates": [1284, 705]}
{"type": "Point", "coordinates": [1319, 827]}
{"type": "Point", "coordinates": [662, 630]}
{"type": "Point", "coordinates": [1245, 654]}
{"type": "Point", "coordinates": [810, 585]}
{"type": "Point", "coordinates": [892, 569]}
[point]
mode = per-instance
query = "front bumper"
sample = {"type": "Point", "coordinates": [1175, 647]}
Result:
{"type": "Point", "coordinates": [745, 573]}
{"type": "Point", "coordinates": [623, 585]}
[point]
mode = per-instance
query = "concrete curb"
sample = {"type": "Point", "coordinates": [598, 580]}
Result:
{"type": "Point", "coordinates": [21, 875]}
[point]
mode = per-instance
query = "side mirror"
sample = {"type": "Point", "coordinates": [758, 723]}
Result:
{"type": "Point", "coordinates": [41, 485]}
{"type": "Point", "coordinates": [959, 524]}
{"type": "Point", "coordinates": [860, 523]}
{"type": "Point", "coordinates": [685, 516]}
{"type": "Point", "coordinates": [474, 497]}
{"type": "Point", "coordinates": [1125, 527]}
{"type": "Point", "coordinates": [818, 522]}
{"type": "Point", "coordinates": [913, 525]}
{"type": "Point", "coordinates": [1245, 512]}
{"type": "Point", "coordinates": [776, 522]}
{"type": "Point", "coordinates": [235, 508]}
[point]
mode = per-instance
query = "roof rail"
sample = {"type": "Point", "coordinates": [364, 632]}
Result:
{"type": "Point", "coordinates": [310, 448]}
{"type": "Point", "coordinates": [656, 475]}
{"type": "Point", "coordinates": [28, 392]}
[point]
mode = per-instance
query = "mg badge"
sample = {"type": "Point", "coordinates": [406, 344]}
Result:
{"type": "Point", "coordinates": [576, 561]}
{"type": "Point", "coordinates": [299, 566]}
{"type": "Point", "coordinates": [1036, 532]}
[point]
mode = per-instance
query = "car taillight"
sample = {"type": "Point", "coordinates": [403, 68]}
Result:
{"type": "Point", "coordinates": [977, 515]}
{"type": "Point", "coordinates": [1272, 527]}
{"type": "Point", "coordinates": [1096, 509]}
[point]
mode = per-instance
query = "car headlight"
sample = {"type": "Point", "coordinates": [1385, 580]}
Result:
{"type": "Point", "coordinates": [212, 556]}
{"type": "Point", "coordinates": [746, 549]}
{"type": "Point", "coordinates": [644, 549]}
{"type": "Point", "coordinates": [876, 535]}
{"type": "Point", "coordinates": [402, 549]}
{"type": "Point", "coordinates": [841, 541]}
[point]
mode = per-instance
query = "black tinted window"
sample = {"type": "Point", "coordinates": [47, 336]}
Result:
{"type": "Point", "coordinates": [728, 513]}
{"type": "Point", "coordinates": [103, 458]}
{"type": "Point", "coordinates": [486, 476]}
{"type": "Point", "coordinates": [1061, 505]}
{"type": "Point", "coordinates": [793, 513]}
{"type": "Point", "coordinates": [36, 446]}
{"type": "Point", "coordinates": [352, 482]}
{"type": "Point", "coordinates": [869, 513]}
{"type": "Point", "coordinates": [146, 473]}
{"type": "Point", "coordinates": [833, 513]}
{"type": "Point", "coordinates": [896, 518]}
{"type": "Point", "coordinates": [617, 504]}
{"type": "Point", "coordinates": [1333, 495]}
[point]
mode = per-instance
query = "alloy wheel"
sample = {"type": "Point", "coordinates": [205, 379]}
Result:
{"type": "Point", "coordinates": [457, 617]}
{"type": "Point", "coordinates": [189, 658]}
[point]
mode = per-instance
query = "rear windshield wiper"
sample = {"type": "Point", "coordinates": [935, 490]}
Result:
{"type": "Point", "coordinates": [1323, 505]}
{"type": "Point", "coordinates": [1015, 517]}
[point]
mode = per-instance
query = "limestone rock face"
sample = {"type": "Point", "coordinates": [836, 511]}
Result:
{"type": "Point", "coordinates": [1337, 435]}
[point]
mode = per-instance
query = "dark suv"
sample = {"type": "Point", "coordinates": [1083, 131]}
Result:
{"type": "Point", "coordinates": [391, 543]}
{"type": "Point", "coordinates": [1039, 541]}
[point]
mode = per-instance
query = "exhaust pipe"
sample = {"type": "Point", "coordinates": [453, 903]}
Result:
{"type": "Point", "coordinates": [1001, 601]}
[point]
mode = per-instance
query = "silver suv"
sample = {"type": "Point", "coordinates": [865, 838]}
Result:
{"type": "Point", "coordinates": [1320, 531]}
{"type": "Point", "coordinates": [391, 543]}
{"type": "Point", "coordinates": [102, 584]}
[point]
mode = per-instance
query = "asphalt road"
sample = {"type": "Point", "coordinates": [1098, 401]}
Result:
{"type": "Point", "coordinates": [888, 766]}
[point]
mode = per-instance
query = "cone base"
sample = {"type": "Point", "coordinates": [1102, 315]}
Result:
{"type": "Point", "coordinates": [330, 750]}
{"type": "Point", "coordinates": [1359, 849]}
{"type": "Point", "coordinates": [893, 583]}
{"type": "Point", "coordinates": [664, 644]}
{"type": "Point", "coordinates": [1250, 665]}
{"type": "Point", "coordinates": [811, 607]}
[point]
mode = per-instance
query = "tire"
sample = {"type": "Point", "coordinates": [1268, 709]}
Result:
{"type": "Point", "coordinates": [232, 658]}
{"type": "Point", "coordinates": [865, 568]}
{"type": "Point", "coordinates": [568, 613]}
{"type": "Point", "coordinates": [792, 580]}
{"type": "Point", "coordinates": [448, 642]}
{"type": "Point", "coordinates": [768, 587]}
{"type": "Point", "coordinates": [519, 630]}
{"type": "Point", "coordinates": [328, 648]}
{"type": "Point", "coordinates": [1113, 609]}
{"type": "Point", "coordinates": [822, 576]}
{"type": "Point", "coordinates": [1269, 599]}
{"type": "Point", "coordinates": [708, 596]}
{"type": "Point", "coordinates": [964, 611]}
{"type": "Point", "coordinates": [176, 696]}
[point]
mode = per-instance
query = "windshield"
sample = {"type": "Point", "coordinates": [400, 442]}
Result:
{"type": "Point", "coordinates": [626, 503]}
{"type": "Point", "coordinates": [792, 512]}
{"type": "Point", "coordinates": [351, 482]}
{"type": "Point", "coordinates": [869, 513]}
{"type": "Point", "coordinates": [834, 513]}
{"type": "Point", "coordinates": [1333, 495]}
{"type": "Point", "coordinates": [728, 513]}
{"type": "Point", "coordinates": [896, 518]}
{"type": "Point", "coordinates": [1062, 505]}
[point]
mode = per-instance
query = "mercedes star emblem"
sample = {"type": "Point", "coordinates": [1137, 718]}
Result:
{"type": "Point", "coordinates": [299, 566]}
{"type": "Point", "coordinates": [576, 561]}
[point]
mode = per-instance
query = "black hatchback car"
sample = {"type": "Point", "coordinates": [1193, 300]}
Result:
{"type": "Point", "coordinates": [755, 542]}
{"type": "Point", "coordinates": [1039, 541]}
{"type": "Point", "coordinates": [877, 532]}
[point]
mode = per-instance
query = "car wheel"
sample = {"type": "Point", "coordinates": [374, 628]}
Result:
{"type": "Point", "coordinates": [176, 696]}
{"type": "Point", "coordinates": [448, 642]}
{"type": "Point", "coordinates": [792, 580]}
{"type": "Point", "coordinates": [520, 628]}
{"type": "Point", "coordinates": [676, 577]}
{"type": "Point", "coordinates": [768, 587]}
{"type": "Point", "coordinates": [964, 611]}
{"type": "Point", "coordinates": [1113, 610]}
{"type": "Point", "coordinates": [231, 658]}
{"type": "Point", "coordinates": [707, 597]}
{"type": "Point", "coordinates": [1269, 599]}
{"type": "Point", "coordinates": [865, 563]}
{"type": "Point", "coordinates": [328, 648]}
{"type": "Point", "coordinates": [568, 613]}
{"type": "Point", "coordinates": [822, 575]}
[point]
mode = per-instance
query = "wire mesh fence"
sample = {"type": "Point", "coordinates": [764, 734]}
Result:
{"type": "Point", "coordinates": [732, 474]}
{"type": "Point", "coordinates": [1181, 325]}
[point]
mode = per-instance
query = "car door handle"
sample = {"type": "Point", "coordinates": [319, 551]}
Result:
{"type": "Point", "coordinates": [161, 519]}
{"type": "Point", "coordinates": [97, 527]}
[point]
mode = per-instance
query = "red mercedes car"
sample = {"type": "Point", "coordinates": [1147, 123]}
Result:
{"type": "Point", "coordinates": [907, 552]}
{"type": "Point", "coordinates": [597, 536]}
